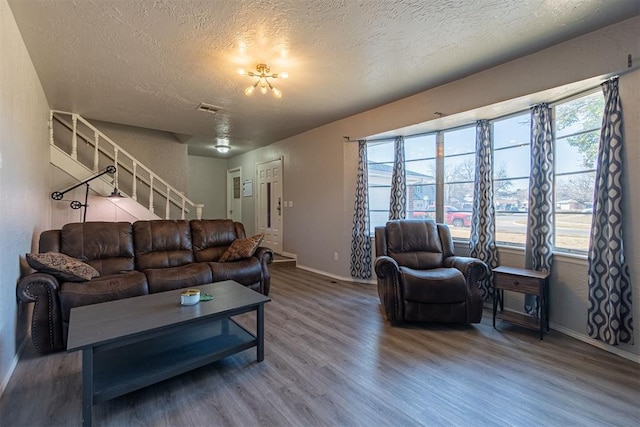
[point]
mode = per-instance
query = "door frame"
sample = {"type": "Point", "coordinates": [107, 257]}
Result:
{"type": "Point", "coordinates": [257, 203]}
{"type": "Point", "coordinates": [230, 174]}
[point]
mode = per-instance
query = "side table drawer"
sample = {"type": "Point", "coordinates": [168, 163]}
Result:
{"type": "Point", "coordinates": [522, 284]}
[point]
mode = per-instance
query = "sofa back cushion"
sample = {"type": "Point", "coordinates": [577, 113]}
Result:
{"type": "Point", "coordinates": [415, 244]}
{"type": "Point", "coordinates": [212, 237]}
{"type": "Point", "coordinates": [106, 246]}
{"type": "Point", "coordinates": [162, 243]}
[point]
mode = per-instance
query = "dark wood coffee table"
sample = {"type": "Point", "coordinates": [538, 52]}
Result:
{"type": "Point", "coordinates": [132, 343]}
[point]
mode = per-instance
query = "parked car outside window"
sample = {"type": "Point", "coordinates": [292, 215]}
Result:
{"type": "Point", "coordinates": [452, 216]}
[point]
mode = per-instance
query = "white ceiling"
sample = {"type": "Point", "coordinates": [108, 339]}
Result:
{"type": "Point", "coordinates": [150, 63]}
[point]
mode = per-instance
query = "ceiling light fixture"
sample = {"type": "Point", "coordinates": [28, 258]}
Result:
{"type": "Point", "coordinates": [222, 146]}
{"type": "Point", "coordinates": [263, 75]}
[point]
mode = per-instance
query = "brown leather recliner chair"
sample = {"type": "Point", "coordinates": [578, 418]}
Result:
{"type": "Point", "coordinates": [420, 278]}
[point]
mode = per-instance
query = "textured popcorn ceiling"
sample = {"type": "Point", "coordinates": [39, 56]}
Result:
{"type": "Point", "coordinates": [150, 63]}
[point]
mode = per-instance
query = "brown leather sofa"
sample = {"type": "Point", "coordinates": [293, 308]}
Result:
{"type": "Point", "coordinates": [419, 277]}
{"type": "Point", "coordinates": [132, 260]}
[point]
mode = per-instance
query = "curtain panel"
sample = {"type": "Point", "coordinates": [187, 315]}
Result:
{"type": "Point", "coordinates": [482, 242]}
{"type": "Point", "coordinates": [398, 202]}
{"type": "Point", "coordinates": [539, 245]}
{"type": "Point", "coordinates": [360, 241]}
{"type": "Point", "coordinates": [609, 313]}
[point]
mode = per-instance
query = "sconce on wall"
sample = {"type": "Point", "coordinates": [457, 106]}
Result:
{"type": "Point", "coordinates": [75, 204]}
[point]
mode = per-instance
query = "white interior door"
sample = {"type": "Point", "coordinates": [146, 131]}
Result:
{"type": "Point", "coordinates": [269, 203]}
{"type": "Point", "coordinates": [234, 194]}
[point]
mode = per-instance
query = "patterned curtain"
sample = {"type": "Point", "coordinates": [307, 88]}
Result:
{"type": "Point", "coordinates": [361, 243]}
{"type": "Point", "coordinates": [539, 247]}
{"type": "Point", "coordinates": [609, 314]}
{"type": "Point", "coordinates": [482, 243]}
{"type": "Point", "coordinates": [398, 202]}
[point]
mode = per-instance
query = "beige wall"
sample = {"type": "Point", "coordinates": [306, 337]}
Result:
{"type": "Point", "coordinates": [159, 151]}
{"type": "Point", "coordinates": [207, 185]}
{"type": "Point", "coordinates": [320, 168]}
{"type": "Point", "coordinates": [24, 199]}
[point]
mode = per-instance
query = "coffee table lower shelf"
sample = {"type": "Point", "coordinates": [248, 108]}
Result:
{"type": "Point", "coordinates": [123, 369]}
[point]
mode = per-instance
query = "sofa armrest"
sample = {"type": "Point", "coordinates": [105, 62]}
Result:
{"type": "Point", "coordinates": [389, 289]}
{"type": "Point", "coordinates": [46, 323]}
{"type": "Point", "coordinates": [265, 256]}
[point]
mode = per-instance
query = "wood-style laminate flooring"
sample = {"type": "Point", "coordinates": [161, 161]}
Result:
{"type": "Point", "coordinates": [332, 360]}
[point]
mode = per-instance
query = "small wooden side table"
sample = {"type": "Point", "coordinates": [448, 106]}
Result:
{"type": "Point", "coordinates": [525, 282]}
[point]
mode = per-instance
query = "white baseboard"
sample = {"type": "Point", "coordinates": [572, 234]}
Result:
{"type": "Point", "coordinates": [334, 276]}
{"type": "Point", "coordinates": [289, 255]}
{"type": "Point", "coordinates": [596, 343]}
{"type": "Point", "coordinates": [12, 367]}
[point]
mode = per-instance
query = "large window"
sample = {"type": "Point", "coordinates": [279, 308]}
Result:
{"type": "Point", "coordinates": [458, 177]}
{"type": "Point", "coordinates": [511, 166]}
{"type": "Point", "coordinates": [577, 134]}
{"type": "Point", "coordinates": [448, 157]}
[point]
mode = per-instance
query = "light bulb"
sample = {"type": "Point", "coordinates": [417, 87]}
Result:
{"type": "Point", "coordinates": [222, 148]}
{"type": "Point", "coordinates": [277, 93]}
{"type": "Point", "coordinates": [248, 91]}
{"type": "Point", "coordinates": [241, 71]}
{"type": "Point", "coordinates": [263, 89]}
{"type": "Point", "coordinates": [283, 75]}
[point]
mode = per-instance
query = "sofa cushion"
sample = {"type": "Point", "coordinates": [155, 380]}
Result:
{"type": "Point", "coordinates": [101, 289]}
{"type": "Point", "coordinates": [242, 248]}
{"type": "Point", "coordinates": [162, 243]}
{"type": "Point", "coordinates": [184, 276]}
{"type": "Point", "coordinates": [62, 267]}
{"type": "Point", "coordinates": [444, 286]}
{"type": "Point", "coordinates": [246, 271]}
{"type": "Point", "coordinates": [106, 246]}
{"type": "Point", "coordinates": [212, 237]}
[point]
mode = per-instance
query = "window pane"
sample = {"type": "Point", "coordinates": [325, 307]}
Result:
{"type": "Point", "coordinates": [577, 126]}
{"type": "Point", "coordinates": [420, 147]}
{"type": "Point", "coordinates": [380, 174]}
{"type": "Point", "coordinates": [379, 198]}
{"type": "Point", "coordinates": [380, 151]}
{"type": "Point", "coordinates": [376, 219]}
{"type": "Point", "coordinates": [512, 131]}
{"type": "Point", "coordinates": [578, 115]}
{"type": "Point", "coordinates": [577, 153]}
{"type": "Point", "coordinates": [460, 141]}
{"type": "Point", "coordinates": [421, 171]}
{"type": "Point", "coordinates": [511, 200]}
{"type": "Point", "coordinates": [514, 162]}
{"type": "Point", "coordinates": [460, 168]}
{"type": "Point", "coordinates": [419, 198]}
{"type": "Point", "coordinates": [574, 195]}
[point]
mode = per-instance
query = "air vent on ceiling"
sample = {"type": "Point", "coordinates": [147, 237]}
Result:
{"type": "Point", "coordinates": [208, 108]}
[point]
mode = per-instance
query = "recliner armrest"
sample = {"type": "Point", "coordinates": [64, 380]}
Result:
{"type": "Point", "coordinates": [471, 268]}
{"type": "Point", "coordinates": [389, 289]}
{"type": "Point", "coordinates": [46, 323]}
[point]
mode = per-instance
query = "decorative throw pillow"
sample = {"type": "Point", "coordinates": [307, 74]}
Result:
{"type": "Point", "coordinates": [242, 248]}
{"type": "Point", "coordinates": [62, 266]}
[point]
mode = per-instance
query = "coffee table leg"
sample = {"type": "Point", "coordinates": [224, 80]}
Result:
{"type": "Point", "coordinates": [260, 332]}
{"type": "Point", "coordinates": [87, 386]}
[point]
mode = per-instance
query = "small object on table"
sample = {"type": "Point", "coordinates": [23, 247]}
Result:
{"type": "Point", "coordinates": [190, 297]}
{"type": "Point", "coordinates": [206, 297]}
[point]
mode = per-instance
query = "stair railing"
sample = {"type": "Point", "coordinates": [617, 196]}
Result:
{"type": "Point", "coordinates": [102, 145]}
